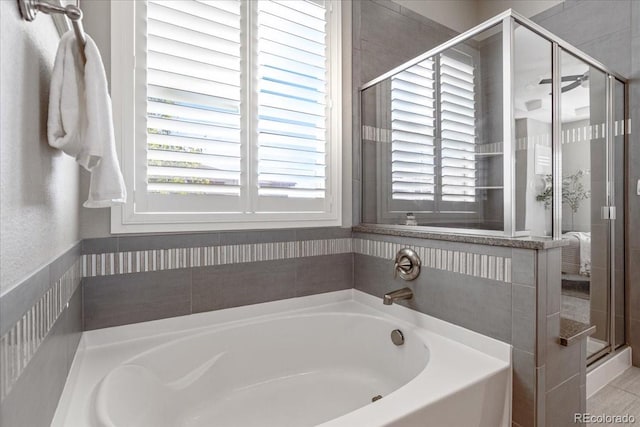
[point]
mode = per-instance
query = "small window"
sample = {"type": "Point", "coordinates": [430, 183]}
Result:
{"type": "Point", "coordinates": [228, 121]}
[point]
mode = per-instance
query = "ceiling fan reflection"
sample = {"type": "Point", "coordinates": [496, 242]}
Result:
{"type": "Point", "coordinates": [575, 79]}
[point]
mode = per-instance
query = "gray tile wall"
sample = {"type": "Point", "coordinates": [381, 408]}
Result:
{"type": "Point", "coordinates": [561, 370]}
{"type": "Point", "coordinates": [130, 298]}
{"type": "Point", "coordinates": [40, 328]}
{"type": "Point", "coordinates": [475, 303]}
{"type": "Point", "coordinates": [232, 269]}
{"type": "Point", "coordinates": [237, 272]}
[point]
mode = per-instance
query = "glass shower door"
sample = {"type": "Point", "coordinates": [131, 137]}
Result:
{"type": "Point", "coordinates": [587, 164]}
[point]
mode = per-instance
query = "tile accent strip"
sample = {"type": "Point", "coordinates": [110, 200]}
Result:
{"type": "Point", "coordinates": [107, 264]}
{"type": "Point", "coordinates": [472, 264]}
{"type": "Point", "coordinates": [20, 343]}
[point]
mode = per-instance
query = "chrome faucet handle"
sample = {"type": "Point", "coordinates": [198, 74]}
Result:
{"type": "Point", "coordinates": [407, 264]}
{"type": "Point", "coordinates": [403, 265]}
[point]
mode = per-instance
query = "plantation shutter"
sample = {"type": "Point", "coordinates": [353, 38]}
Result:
{"type": "Point", "coordinates": [292, 101]}
{"type": "Point", "coordinates": [458, 133]}
{"type": "Point", "coordinates": [228, 113]}
{"type": "Point", "coordinates": [193, 54]}
{"type": "Point", "coordinates": [412, 133]}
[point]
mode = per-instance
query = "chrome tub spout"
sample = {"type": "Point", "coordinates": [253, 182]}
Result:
{"type": "Point", "coordinates": [400, 294]}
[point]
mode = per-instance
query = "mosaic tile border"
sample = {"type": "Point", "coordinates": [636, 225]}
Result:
{"type": "Point", "coordinates": [21, 342]}
{"type": "Point", "coordinates": [107, 264]}
{"type": "Point", "coordinates": [471, 264]}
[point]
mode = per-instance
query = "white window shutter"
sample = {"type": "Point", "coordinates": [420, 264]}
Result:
{"type": "Point", "coordinates": [413, 133]}
{"type": "Point", "coordinates": [433, 135]}
{"type": "Point", "coordinates": [193, 97]}
{"type": "Point", "coordinates": [226, 113]}
{"type": "Point", "coordinates": [292, 101]}
{"type": "Point", "coordinates": [458, 128]}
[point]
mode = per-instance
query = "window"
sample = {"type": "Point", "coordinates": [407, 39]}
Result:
{"type": "Point", "coordinates": [229, 113]}
{"type": "Point", "coordinates": [433, 167]}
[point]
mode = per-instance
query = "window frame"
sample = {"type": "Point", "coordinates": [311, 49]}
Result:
{"type": "Point", "coordinates": [129, 134]}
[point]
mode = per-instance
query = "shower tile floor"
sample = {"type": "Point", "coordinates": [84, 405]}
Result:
{"type": "Point", "coordinates": [619, 397]}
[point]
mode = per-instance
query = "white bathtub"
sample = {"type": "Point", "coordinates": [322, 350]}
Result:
{"type": "Point", "coordinates": [308, 361]}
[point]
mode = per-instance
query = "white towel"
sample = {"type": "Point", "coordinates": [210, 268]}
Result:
{"type": "Point", "coordinates": [81, 122]}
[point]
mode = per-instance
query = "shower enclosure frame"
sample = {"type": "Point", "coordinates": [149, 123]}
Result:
{"type": "Point", "coordinates": [507, 20]}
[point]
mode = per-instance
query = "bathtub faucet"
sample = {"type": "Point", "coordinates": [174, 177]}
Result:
{"type": "Point", "coordinates": [404, 293]}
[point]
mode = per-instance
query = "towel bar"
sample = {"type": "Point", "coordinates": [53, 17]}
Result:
{"type": "Point", "coordinates": [30, 8]}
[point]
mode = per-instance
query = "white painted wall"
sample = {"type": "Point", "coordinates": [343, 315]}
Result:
{"type": "Point", "coordinates": [97, 23]}
{"type": "Point", "coordinates": [39, 200]}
